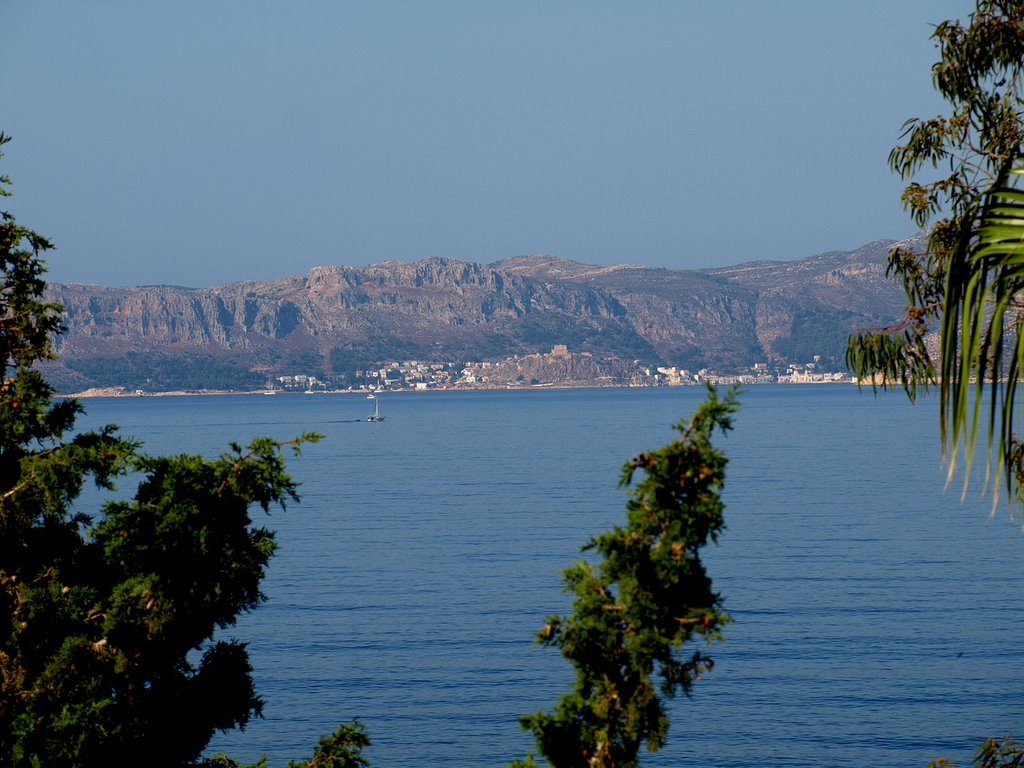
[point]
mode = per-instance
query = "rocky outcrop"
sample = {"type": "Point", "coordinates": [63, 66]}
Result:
{"type": "Point", "coordinates": [558, 368]}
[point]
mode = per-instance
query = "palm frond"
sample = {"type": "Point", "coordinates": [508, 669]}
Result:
{"type": "Point", "coordinates": [982, 350]}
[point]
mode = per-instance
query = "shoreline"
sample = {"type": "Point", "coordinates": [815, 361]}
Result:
{"type": "Point", "coordinates": [121, 392]}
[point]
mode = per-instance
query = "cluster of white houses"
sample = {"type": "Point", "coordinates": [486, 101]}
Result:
{"type": "Point", "coordinates": [760, 373]}
{"type": "Point", "coordinates": [414, 374]}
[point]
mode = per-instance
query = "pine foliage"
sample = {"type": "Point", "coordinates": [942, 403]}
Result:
{"type": "Point", "coordinates": [109, 653]}
{"type": "Point", "coordinates": [637, 608]}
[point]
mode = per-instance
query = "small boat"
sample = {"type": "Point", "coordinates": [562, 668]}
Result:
{"type": "Point", "coordinates": [375, 416]}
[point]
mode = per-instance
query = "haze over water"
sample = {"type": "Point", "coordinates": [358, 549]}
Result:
{"type": "Point", "coordinates": [877, 617]}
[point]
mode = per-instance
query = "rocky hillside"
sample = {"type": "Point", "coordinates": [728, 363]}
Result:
{"type": "Point", "coordinates": [337, 319]}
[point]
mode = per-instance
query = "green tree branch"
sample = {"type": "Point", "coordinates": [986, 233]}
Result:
{"type": "Point", "coordinates": [638, 607]}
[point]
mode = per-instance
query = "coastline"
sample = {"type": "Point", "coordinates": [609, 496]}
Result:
{"type": "Point", "coordinates": [94, 392]}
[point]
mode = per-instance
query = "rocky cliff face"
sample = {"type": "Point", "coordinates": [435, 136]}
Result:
{"type": "Point", "coordinates": [444, 309]}
{"type": "Point", "coordinates": [850, 284]}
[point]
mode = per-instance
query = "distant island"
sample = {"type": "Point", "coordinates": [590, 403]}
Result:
{"type": "Point", "coordinates": [527, 321]}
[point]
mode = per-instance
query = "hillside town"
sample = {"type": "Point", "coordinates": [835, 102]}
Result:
{"type": "Point", "coordinates": [527, 371]}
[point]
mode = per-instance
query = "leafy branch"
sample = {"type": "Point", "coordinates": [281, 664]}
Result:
{"type": "Point", "coordinates": [637, 608]}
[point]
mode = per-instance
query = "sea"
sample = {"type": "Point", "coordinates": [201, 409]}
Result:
{"type": "Point", "coordinates": [878, 611]}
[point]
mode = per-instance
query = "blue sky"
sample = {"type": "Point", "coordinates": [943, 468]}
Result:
{"type": "Point", "coordinates": [196, 142]}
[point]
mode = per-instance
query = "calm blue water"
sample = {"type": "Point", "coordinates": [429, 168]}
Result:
{"type": "Point", "coordinates": [878, 620]}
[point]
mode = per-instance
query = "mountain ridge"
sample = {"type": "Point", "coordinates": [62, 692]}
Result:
{"type": "Point", "coordinates": [337, 319]}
